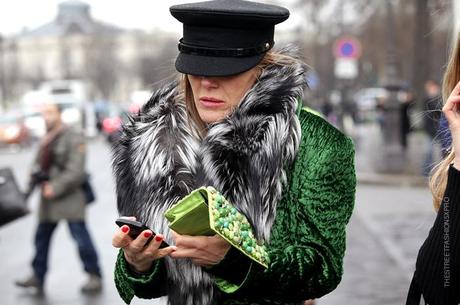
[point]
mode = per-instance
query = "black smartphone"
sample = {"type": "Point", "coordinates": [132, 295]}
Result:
{"type": "Point", "coordinates": [135, 228]}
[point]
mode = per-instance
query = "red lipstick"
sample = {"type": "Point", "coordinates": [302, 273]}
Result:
{"type": "Point", "coordinates": [211, 102]}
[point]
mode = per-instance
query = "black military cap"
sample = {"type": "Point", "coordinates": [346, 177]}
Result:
{"type": "Point", "coordinates": [225, 37]}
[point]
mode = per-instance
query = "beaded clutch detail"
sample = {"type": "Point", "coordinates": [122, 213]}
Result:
{"type": "Point", "coordinates": [206, 212]}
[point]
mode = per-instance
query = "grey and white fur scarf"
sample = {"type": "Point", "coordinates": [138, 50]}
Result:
{"type": "Point", "coordinates": [161, 158]}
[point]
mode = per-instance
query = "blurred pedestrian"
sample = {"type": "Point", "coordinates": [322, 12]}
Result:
{"type": "Point", "coordinates": [326, 108]}
{"type": "Point", "coordinates": [407, 100]}
{"type": "Point", "coordinates": [234, 121]}
{"type": "Point", "coordinates": [437, 274]}
{"type": "Point", "coordinates": [59, 171]}
{"type": "Point", "coordinates": [432, 113]}
{"type": "Point", "coordinates": [381, 108]}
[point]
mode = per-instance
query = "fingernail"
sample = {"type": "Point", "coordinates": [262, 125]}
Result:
{"type": "Point", "coordinates": [174, 248]}
{"type": "Point", "coordinates": [125, 229]}
{"type": "Point", "coordinates": [147, 234]}
{"type": "Point", "coordinates": [158, 238]}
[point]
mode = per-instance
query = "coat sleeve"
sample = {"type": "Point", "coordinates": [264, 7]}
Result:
{"type": "Point", "coordinates": [148, 286]}
{"type": "Point", "coordinates": [73, 172]}
{"type": "Point", "coordinates": [308, 238]}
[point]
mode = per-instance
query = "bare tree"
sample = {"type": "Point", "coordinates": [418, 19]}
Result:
{"type": "Point", "coordinates": [421, 28]}
{"type": "Point", "coordinates": [324, 21]}
{"type": "Point", "coordinates": [153, 69]}
{"type": "Point", "coordinates": [102, 65]}
{"type": "Point", "coordinates": [422, 45]}
{"type": "Point", "coordinates": [11, 71]}
{"type": "Point", "coordinates": [429, 35]}
{"type": "Point", "coordinates": [36, 78]}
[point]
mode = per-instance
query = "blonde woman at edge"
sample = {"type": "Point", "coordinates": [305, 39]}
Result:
{"type": "Point", "coordinates": [437, 273]}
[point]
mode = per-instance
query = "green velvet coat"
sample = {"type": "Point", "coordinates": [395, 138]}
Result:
{"type": "Point", "coordinates": [307, 243]}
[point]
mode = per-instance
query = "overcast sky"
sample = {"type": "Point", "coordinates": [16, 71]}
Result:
{"type": "Point", "coordinates": [134, 14]}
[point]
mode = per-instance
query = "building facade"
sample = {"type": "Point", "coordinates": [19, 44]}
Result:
{"type": "Point", "coordinates": [111, 60]}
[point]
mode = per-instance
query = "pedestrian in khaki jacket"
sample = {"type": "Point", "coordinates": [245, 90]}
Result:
{"type": "Point", "coordinates": [59, 171]}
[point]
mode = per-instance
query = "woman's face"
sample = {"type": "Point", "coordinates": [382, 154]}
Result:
{"type": "Point", "coordinates": [216, 97]}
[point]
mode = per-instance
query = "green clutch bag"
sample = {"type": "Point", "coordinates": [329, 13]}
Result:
{"type": "Point", "coordinates": [205, 212]}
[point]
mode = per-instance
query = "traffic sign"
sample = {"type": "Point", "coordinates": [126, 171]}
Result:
{"type": "Point", "coordinates": [347, 47]}
{"type": "Point", "coordinates": [346, 68]}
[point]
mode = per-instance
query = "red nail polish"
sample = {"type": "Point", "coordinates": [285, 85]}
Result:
{"type": "Point", "coordinates": [147, 234]}
{"type": "Point", "coordinates": [125, 229]}
{"type": "Point", "coordinates": [158, 238]}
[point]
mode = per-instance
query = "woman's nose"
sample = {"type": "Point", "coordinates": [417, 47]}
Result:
{"type": "Point", "coordinates": [209, 82]}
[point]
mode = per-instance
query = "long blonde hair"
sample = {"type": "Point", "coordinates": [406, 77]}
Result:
{"type": "Point", "coordinates": [270, 58]}
{"type": "Point", "coordinates": [438, 181]}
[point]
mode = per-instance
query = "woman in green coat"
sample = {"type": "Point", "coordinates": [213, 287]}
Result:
{"type": "Point", "coordinates": [234, 122]}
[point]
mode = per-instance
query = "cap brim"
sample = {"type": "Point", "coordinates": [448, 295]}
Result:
{"type": "Point", "coordinates": [215, 66]}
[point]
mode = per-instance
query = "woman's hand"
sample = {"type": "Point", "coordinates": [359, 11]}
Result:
{"type": "Point", "coordinates": [452, 113]}
{"type": "Point", "coordinates": [204, 251]}
{"type": "Point", "coordinates": [139, 255]}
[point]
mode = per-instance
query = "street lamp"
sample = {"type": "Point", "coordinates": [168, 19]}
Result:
{"type": "Point", "coordinates": [393, 156]}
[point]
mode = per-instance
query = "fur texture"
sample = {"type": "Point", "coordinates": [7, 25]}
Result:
{"type": "Point", "coordinates": [161, 158]}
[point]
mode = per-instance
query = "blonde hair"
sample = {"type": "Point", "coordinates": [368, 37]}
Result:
{"type": "Point", "coordinates": [438, 181]}
{"type": "Point", "coordinates": [270, 58]}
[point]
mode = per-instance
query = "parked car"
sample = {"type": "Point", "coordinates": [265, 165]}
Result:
{"type": "Point", "coordinates": [366, 101]}
{"type": "Point", "coordinates": [13, 131]}
{"type": "Point", "coordinates": [35, 124]}
{"type": "Point", "coordinates": [112, 122]}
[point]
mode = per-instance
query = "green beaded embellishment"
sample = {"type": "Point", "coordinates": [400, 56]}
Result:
{"type": "Point", "coordinates": [233, 226]}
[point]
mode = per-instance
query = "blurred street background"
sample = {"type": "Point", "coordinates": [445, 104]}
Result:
{"type": "Point", "coordinates": [376, 71]}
